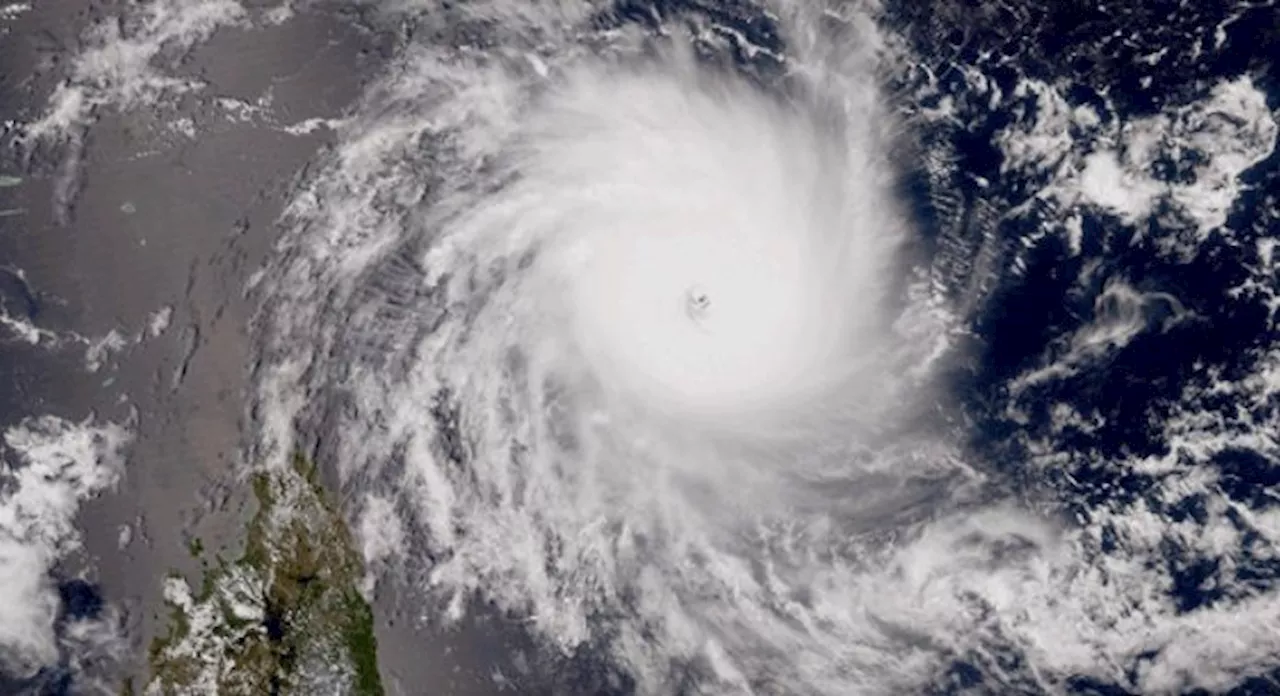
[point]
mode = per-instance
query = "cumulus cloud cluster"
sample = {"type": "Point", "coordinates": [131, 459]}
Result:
{"type": "Point", "coordinates": [50, 467]}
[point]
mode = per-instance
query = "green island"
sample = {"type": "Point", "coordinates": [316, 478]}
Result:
{"type": "Point", "coordinates": [286, 617]}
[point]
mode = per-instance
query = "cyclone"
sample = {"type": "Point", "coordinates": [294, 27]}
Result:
{"type": "Point", "coordinates": [624, 339]}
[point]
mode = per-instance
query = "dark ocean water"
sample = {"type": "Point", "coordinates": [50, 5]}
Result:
{"type": "Point", "coordinates": [1100, 57]}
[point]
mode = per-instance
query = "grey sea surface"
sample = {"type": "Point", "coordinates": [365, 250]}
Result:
{"type": "Point", "coordinates": [169, 214]}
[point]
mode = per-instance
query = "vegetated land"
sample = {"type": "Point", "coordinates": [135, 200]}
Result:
{"type": "Point", "coordinates": [287, 617]}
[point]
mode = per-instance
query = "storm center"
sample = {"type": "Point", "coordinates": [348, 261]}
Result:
{"type": "Point", "coordinates": [697, 302]}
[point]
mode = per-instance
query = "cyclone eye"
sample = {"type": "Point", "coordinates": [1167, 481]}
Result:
{"type": "Point", "coordinates": [697, 302]}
